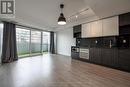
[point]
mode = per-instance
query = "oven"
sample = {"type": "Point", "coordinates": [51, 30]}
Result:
{"type": "Point", "coordinates": [84, 53]}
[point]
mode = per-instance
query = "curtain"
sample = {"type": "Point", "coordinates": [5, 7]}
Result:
{"type": "Point", "coordinates": [52, 43]}
{"type": "Point", "coordinates": [9, 48]}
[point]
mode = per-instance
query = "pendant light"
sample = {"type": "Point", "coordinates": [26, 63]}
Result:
{"type": "Point", "coordinates": [61, 19]}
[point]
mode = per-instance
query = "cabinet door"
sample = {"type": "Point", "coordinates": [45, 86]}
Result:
{"type": "Point", "coordinates": [86, 30]}
{"type": "Point", "coordinates": [75, 55]}
{"type": "Point", "coordinates": [77, 28]}
{"type": "Point", "coordinates": [124, 59]}
{"type": "Point", "coordinates": [77, 31]}
{"type": "Point", "coordinates": [110, 26]}
{"type": "Point", "coordinates": [95, 55]}
{"type": "Point", "coordinates": [110, 57]}
{"type": "Point", "coordinates": [124, 19]}
{"type": "Point", "coordinates": [96, 28]}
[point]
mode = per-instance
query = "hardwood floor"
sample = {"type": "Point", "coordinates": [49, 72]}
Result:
{"type": "Point", "coordinates": [59, 71]}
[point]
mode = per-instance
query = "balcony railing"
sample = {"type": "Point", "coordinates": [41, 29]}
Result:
{"type": "Point", "coordinates": [25, 49]}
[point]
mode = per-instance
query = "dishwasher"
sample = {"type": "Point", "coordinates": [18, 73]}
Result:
{"type": "Point", "coordinates": [84, 53]}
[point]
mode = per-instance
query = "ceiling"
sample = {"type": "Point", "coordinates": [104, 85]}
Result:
{"type": "Point", "coordinates": [106, 8]}
{"type": "Point", "coordinates": [43, 14]}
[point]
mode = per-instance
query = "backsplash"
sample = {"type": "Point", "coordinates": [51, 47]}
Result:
{"type": "Point", "coordinates": [105, 42]}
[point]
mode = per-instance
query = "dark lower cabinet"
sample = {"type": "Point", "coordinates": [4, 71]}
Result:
{"type": "Point", "coordinates": [104, 56]}
{"type": "Point", "coordinates": [124, 59]}
{"type": "Point", "coordinates": [95, 55]}
{"type": "Point", "coordinates": [110, 57]}
{"type": "Point", "coordinates": [113, 51]}
{"type": "Point", "coordinates": [75, 55]}
{"type": "Point", "coordinates": [114, 57]}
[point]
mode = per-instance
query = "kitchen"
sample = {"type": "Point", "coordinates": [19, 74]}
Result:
{"type": "Point", "coordinates": [65, 43]}
{"type": "Point", "coordinates": [104, 42]}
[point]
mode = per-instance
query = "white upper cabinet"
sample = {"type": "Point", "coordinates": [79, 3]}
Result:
{"type": "Point", "coordinates": [86, 30]}
{"type": "Point", "coordinates": [105, 27]}
{"type": "Point", "coordinates": [110, 26]}
{"type": "Point", "coordinates": [96, 28]}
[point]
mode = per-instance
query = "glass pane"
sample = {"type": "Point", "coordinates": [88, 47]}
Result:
{"type": "Point", "coordinates": [1, 35]}
{"type": "Point", "coordinates": [23, 42]}
{"type": "Point", "coordinates": [46, 42]}
{"type": "Point", "coordinates": [35, 42]}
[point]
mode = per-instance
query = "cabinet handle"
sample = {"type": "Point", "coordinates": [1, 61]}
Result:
{"type": "Point", "coordinates": [110, 43]}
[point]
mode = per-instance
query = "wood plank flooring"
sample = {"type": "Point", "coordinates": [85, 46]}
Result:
{"type": "Point", "coordinates": [59, 71]}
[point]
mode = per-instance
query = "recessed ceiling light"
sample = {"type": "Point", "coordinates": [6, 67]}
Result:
{"type": "Point", "coordinates": [76, 16]}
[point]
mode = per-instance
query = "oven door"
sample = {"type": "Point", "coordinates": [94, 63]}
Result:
{"type": "Point", "coordinates": [84, 53]}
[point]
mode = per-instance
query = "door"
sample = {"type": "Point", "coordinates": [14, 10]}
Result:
{"type": "Point", "coordinates": [109, 42]}
{"type": "Point", "coordinates": [110, 52]}
{"type": "Point", "coordinates": [23, 42]}
{"type": "Point", "coordinates": [75, 52]}
{"type": "Point", "coordinates": [96, 28]}
{"type": "Point", "coordinates": [95, 55]}
{"type": "Point", "coordinates": [45, 41]}
{"type": "Point", "coordinates": [124, 59]}
{"type": "Point", "coordinates": [77, 31]}
{"type": "Point", "coordinates": [86, 30]}
{"type": "Point", "coordinates": [111, 26]}
{"type": "Point", "coordinates": [110, 57]}
{"type": "Point", "coordinates": [35, 42]}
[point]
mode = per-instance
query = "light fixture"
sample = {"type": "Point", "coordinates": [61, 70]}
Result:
{"type": "Point", "coordinates": [61, 19]}
{"type": "Point", "coordinates": [76, 16]}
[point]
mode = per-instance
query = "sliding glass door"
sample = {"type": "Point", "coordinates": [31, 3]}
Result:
{"type": "Point", "coordinates": [35, 42]}
{"type": "Point", "coordinates": [32, 42]}
{"type": "Point", "coordinates": [23, 42]}
{"type": "Point", "coordinates": [45, 42]}
{"type": "Point", "coordinates": [1, 35]}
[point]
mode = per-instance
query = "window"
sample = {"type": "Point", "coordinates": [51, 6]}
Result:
{"type": "Point", "coordinates": [45, 41]}
{"type": "Point", "coordinates": [35, 42]}
{"type": "Point", "coordinates": [32, 42]}
{"type": "Point", "coordinates": [23, 42]}
{"type": "Point", "coordinates": [1, 35]}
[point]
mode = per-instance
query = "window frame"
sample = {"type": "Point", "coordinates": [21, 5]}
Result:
{"type": "Point", "coordinates": [32, 29]}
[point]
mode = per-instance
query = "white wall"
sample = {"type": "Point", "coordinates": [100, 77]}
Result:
{"type": "Point", "coordinates": [64, 41]}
